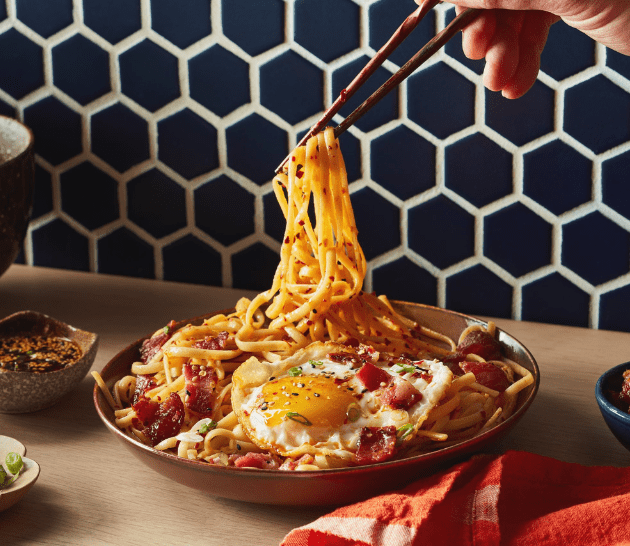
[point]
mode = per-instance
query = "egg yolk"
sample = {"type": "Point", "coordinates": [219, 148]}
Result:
{"type": "Point", "coordinates": [311, 400]}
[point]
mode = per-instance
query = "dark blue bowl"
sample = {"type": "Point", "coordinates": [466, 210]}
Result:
{"type": "Point", "coordinates": [617, 420]}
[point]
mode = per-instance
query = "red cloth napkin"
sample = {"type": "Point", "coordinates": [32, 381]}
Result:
{"type": "Point", "coordinates": [514, 499]}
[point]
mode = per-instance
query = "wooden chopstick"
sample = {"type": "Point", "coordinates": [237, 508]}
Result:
{"type": "Point", "coordinates": [396, 39]}
{"type": "Point", "coordinates": [432, 47]}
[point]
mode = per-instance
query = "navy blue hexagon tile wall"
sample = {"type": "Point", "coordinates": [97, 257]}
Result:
{"type": "Point", "coordinates": [159, 124]}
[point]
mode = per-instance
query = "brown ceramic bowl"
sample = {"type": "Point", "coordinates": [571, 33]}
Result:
{"type": "Point", "coordinates": [22, 392]}
{"type": "Point", "coordinates": [323, 487]}
{"type": "Point", "coordinates": [17, 180]}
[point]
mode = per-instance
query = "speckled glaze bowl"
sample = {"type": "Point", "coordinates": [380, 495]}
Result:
{"type": "Point", "coordinates": [22, 392]}
{"type": "Point", "coordinates": [17, 180]}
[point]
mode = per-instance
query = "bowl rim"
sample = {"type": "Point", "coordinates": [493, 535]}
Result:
{"type": "Point", "coordinates": [448, 453]}
{"type": "Point", "coordinates": [602, 399]}
{"type": "Point", "coordinates": [29, 147]}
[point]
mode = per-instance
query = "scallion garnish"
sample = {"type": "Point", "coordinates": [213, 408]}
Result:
{"type": "Point", "coordinates": [294, 372]}
{"type": "Point", "coordinates": [295, 416]}
{"type": "Point", "coordinates": [315, 363]}
{"type": "Point", "coordinates": [404, 431]}
{"type": "Point", "coordinates": [203, 429]}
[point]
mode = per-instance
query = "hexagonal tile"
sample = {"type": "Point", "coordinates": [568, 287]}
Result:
{"type": "Point", "coordinates": [275, 223]}
{"type": "Point", "coordinates": [378, 222]}
{"type": "Point", "coordinates": [188, 144]}
{"type": "Point", "coordinates": [405, 281]}
{"type": "Point", "coordinates": [254, 26]}
{"type": "Point", "coordinates": [81, 69]}
{"type": "Point", "coordinates": [327, 28]}
{"type": "Point", "coordinates": [122, 252]}
{"type": "Point", "coordinates": [441, 100]}
{"type": "Point", "coordinates": [618, 62]}
{"type": "Point", "coordinates": [89, 196]}
{"type": "Point", "coordinates": [43, 193]}
{"type": "Point", "coordinates": [219, 80]}
{"type": "Point", "coordinates": [156, 203]}
{"type": "Point", "coordinates": [190, 260]}
{"type": "Point", "coordinates": [478, 291]}
{"type": "Point", "coordinates": [441, 232]}
{"type": "Point", "coordinates": [261, 276]}
{"type": "Point", "coordinates": [183, 26]}
{"type": "Point", "coordinates": [113, 20]}
{"type": "Point", "coordinates": [386, 110]}
{"type": "Point", "coordinates": [613, 310]}
{"type": "Point", "coordinates": [453, 48]}
{"type": "Point", "coordinates": [120, 137]}
{"type": "Point", "coordinates": [556, 300]}
{"type": "Point", "coordinates": [292, 87]}
{"type": "Point", "coordinates": [56, 244]}
{"type": "Point", "coordinates": [351, 150]}
{"type": "Point", "coordinates": [521, 120]}
{"type": "Point", "coordinates": [517, 239]}
{"type": "Point", "coordinates": [256, 147]}
{"type": "Point", "coordinates": [557, 177]}
{"type": "Point", "coordinates": [149, 75]}
{"type": "Point", "coordinates": [57, 130]}
{"type": "Point", "coordinates": [7, 110]}
{"type": "Point", "coordinates": [595, 248]}
{"type": "Point", "coordinates": [22, 64]}
{"type": "Point", "coordinates": [403, 162]}
{"type": "Point", "coordinates": [45, 17]}
{"type": "Point", "coordinates": [224, 210]}
{"type": "Point", "coordinates": [596, 113]}
{"type": "Point", "coordinates": [386, 16]}
{"type": "Point", "coordinates": [467, 172]}
{"type": "Point", "coordinates": [567, 52]}
{"type": "Point", "coordinates": [615, 188]}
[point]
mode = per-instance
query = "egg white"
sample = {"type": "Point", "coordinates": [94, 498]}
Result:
{"type": "Point", "coordinates": [292, 437]}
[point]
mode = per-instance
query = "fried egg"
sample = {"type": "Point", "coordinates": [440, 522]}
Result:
{"type": "Point", "coordinates": [314, 402]}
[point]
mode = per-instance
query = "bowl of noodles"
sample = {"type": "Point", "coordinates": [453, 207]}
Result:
{"type": "Point", "coordinates": [314, 392]}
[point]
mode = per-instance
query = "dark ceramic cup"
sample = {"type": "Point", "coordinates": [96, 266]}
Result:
{"type": "Point", "coordinates": [17, 178]}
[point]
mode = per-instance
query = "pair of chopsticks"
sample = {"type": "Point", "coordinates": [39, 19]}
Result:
{"type": "Point", "coordinates": [433, 46]}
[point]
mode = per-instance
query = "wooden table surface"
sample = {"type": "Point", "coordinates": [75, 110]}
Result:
{"type": "Point", "coordinates": [92, 491]}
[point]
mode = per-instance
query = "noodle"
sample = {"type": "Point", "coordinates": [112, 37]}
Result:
{"type": "Point", "coordinates": [316, 295]}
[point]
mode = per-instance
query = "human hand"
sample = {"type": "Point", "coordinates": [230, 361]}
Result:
{"type": "Point", "coordinates": [511, 35]}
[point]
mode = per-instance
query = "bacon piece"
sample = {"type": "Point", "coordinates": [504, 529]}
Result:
{"type": "Point", "coordinates": [373, 377]}
{"type": "Point", "coordinates": [257, 460]}
{"type": "Point", "coordinates": [292, 464]}
{"type": "Point", "coordinates": [487, 374]}
{"type": "Point", "coordinates": [349, 358]}
{"type": "Point", "coordinates": [400, 394]}
{"type": "Point", "coordinates": [376, 444]}
{"type": "Point", "coordinates": [201, 382]}
{"type": "Point", "coordinates": [161, 420]}
{"type": "Point", "coordinates": [217, 343]}
{"type": "Point", "coordinates": [481, 343]}
{"type": "Point", "coordinates": [144, 383]}
{"type": "Point", "coordinates": [151, 346]}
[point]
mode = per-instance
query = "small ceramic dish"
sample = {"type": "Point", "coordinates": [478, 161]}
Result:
{"type": "Point", "coordinates": [25, 391]}
{"type": "Point", "coordinates": [28, 476]}
{"type": "Point", "coordinates": [617, 420]}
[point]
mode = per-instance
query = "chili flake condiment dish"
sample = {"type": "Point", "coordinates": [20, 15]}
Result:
{"type": "Point", "coordinates": [318, 487]}
{"type": "Point", "coordinates": [27, 391]}
{"type": "Point", "coordinates": [26, 479]}
{"type": "Point", "coordinates": [617, 420]}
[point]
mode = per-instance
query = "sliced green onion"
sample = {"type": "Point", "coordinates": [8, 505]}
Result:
{"type": "Point", "coordinates": [353, 412]}
{"type": "Point", "coordinates": [293, 372]}
{"type": "Point", "coordinates": [402, 367]}
{"type": "Point", "coordinates": [315, 363]}
{"type": "Point", "coordinates": [207, 426]}
{"type": "Point", "coordinates": [3, 475]}
{"type": "Point", "coordinates": [404, 431]}
{"type": "Point", "coordinates": [295, 416]}
{"type": "Point", "coordinates": [166, 329]}
{"type": "Point", "coordinates": [14, 462]}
